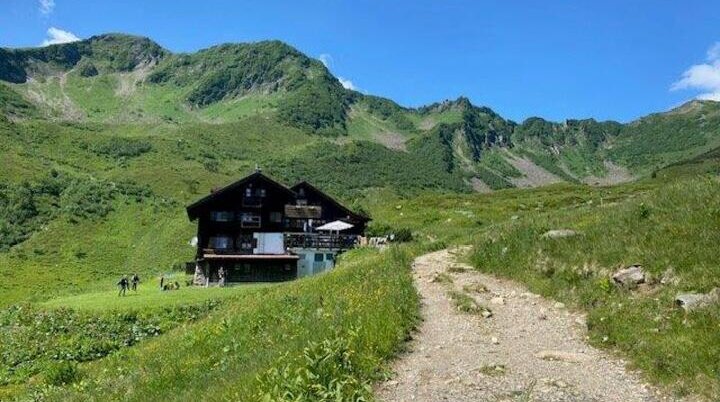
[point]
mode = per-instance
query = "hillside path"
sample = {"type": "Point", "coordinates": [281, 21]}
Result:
{"type": "Point", "coordinates": [530, 349]}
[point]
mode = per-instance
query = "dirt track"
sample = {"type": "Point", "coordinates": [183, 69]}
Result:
{"type": "Point", "coordinates": [530, 349]}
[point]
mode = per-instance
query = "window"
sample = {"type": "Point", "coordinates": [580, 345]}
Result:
{"type": "Point", "coordinates": [276, 217]}
{"type": "Point", "coordinates": [220, 242]}
{"type": "Point", "coordinates": [329, 257]}
{"type": "Point", "coordinates": [246, 242]}
{"type": "Point", "coordinates": [250, 220]}
{"type": "Point", "coordinates": [318, 257]}
{"type": "Point", "coordinates": [262, 192]}
{"type": "Point", "coordinates": [221, 216]}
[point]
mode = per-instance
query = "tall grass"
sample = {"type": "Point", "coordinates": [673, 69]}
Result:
{"type": "Point", "coordinates": [362, 312]}
{"type": "Point", "coordinates": [676, 228]}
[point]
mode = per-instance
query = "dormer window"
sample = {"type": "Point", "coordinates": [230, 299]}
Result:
{"type": "Point", "coordinates": [253, 197]}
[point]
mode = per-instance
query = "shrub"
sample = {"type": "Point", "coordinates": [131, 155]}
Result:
{"type": "Point", "coordinates": [403, 235]}
{"type": "Point", "coordinates": [211, 165]}
{"type": "Point", "coordinates": [87, 70]}
{"type": "Point", "coordinates": [327, 372]}
{"type": "Point", "coordinates": [62, 373]}
{"type": "Point", "coordinates": [87, 199]}
{"type": "Point", "coordinates": [119, 147]}
{"type": "Point", "coordinates": [400, 235]}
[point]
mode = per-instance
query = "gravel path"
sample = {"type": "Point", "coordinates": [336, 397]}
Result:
{"type": "Point", "coordinates": [530, 349]}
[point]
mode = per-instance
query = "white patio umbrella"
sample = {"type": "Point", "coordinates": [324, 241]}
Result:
{"type": "Point", "coordinates": [335, 226]}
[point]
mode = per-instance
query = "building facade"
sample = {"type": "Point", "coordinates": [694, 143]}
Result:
{"type": "Point", "coordinates": [258, 230]}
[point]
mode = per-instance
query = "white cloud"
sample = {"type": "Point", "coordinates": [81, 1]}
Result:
{"type": "Point", "coordinates": [347, 84]}
{"type": "Point", "coordinates": [326, 60]}
{"type": "Point", "coordinates": [46, 6]}
{"type": "Point", "coordinates": [704, 77]}
{"type": "Point", "coordinates": [56, 36]}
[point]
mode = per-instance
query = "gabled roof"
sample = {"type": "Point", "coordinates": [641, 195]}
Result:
{"type": "Point", "coordinates": [194, 208]}
{"type": "Point", "coordinates": [331, 201]}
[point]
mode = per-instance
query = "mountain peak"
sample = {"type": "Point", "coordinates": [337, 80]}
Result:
{"type": "Point", "coordinates": [695, 105]}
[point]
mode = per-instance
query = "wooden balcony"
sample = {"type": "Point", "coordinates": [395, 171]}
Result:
{"type": "Point", "coordinates": [322, 241]}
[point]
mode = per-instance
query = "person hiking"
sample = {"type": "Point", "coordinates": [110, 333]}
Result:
{"type": "Point", "coordinates": [123, 285]}
{"type": "Point", "coordinates": [162, 282]}
{"type": "Point", "coordinates": [134, 281]}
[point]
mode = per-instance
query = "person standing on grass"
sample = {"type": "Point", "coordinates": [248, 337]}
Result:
{"type": "Point", "coordinates": [135, 281]}
{"type": "Point", "coordinates": [123, 285]}
{"type": "Point", "coordinates": [162, 282]}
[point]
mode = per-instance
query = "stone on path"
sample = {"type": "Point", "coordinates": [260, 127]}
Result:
{"type": "Point", "coordinates": [560, 355]}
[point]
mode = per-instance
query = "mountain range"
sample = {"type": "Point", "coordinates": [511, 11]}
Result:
{"type": "Point", "coordinates": [124, 83]}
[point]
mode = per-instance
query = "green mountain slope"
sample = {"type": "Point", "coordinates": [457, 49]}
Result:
{"type": "Point", "coordinates": [126, 80]}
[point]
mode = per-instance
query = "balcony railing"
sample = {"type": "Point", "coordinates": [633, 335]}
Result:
{"type": "Point", "coordinates": [315, 240]}
{"type": "Point", "coordinates": [296, 240]}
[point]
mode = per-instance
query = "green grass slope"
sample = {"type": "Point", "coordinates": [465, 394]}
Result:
{"type": "Point", "coordinates": [663, 230]}
{"type": "Point", "coordinates": [321, 338]}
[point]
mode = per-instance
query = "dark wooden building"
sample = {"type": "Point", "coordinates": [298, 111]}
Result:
{"type": "Point", "coordinates": [258, 230]}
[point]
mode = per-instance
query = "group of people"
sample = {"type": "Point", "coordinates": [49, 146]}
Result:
{"type": "Point", "coordinates": [168, 286]}
{"type": "Point", "coordinates": [126, 284]}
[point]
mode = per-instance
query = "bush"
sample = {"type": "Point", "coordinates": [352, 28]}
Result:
{"type": "Point", "coordinates": [118, 147]}
{"type": "Point", "coordinates": [211, 165]}
{"type": "Point", "coordinates": [62, 373]}
{"type": "Point", "coordinates": [87, 199]}
{"type": "Point", "coordinates": [327, 372]}
{"type": "Point", "coordinates": [403, 235]}
{"type": "Point", "coordinates": [87, 70]}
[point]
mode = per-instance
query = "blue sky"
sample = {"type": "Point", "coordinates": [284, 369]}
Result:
{"type": "Point", "coordinates": [608, 59]}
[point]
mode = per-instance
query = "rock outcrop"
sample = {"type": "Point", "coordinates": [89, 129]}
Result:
{"type": "Point", "coordinates": [695, 301]}
{"type": "Point", "coordinates": [630, 277]}
{"type": "Point", "coordinates": [559, 234]}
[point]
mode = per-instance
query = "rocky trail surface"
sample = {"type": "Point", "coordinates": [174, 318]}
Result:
{"type": "Point", "coordinates": [513, 346]}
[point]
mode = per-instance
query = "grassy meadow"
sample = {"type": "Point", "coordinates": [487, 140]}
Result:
{"type": "Point", "coordinates": [148, 295]}
{"type": "Point", "coordinates": [319, 338]}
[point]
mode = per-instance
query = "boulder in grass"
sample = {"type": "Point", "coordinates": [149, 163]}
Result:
{"type": "Point", "coordinates": [559, 234]}
{"type": "Point", "coordinates": [695, 301]}
{"type": "Point", "coordinates": [630, 277]}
